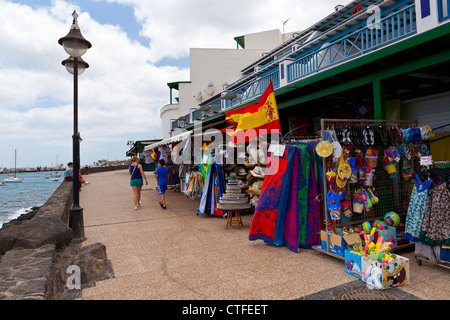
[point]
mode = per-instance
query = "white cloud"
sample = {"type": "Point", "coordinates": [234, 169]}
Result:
{"type": "Point", "coordinates": [174, 26]}
{"type": "Point", "coordinates": [119, 95]}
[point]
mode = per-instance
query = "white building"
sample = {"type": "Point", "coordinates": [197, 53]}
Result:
{"type": "Point", "coordinates": [210, 69]}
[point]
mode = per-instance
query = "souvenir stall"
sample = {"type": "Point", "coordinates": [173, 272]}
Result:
{"type": "Point", "coordinates": [167, 150]}
{"type": "Point", "coordinates": [369, 170]}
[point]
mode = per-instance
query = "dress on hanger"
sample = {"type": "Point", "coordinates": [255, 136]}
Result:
{"type": "Point", "coordinates": [436, 220]}
{"type": "Point", "coordinates": [417, 208]}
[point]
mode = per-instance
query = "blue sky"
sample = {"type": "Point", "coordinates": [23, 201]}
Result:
{"type": "Point", "coordinates": [138, 46]}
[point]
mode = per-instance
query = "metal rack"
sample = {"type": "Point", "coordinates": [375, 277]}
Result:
{"type": "Point", "coordinates": [393, 194]}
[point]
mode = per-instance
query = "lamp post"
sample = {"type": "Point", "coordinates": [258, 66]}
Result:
{"type": "Point", "coordinates": [75, 45]}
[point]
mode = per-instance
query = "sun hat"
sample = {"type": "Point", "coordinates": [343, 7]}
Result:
{"type": "Point", "coordinates": [261, 157]}
{"type": "Point", "coordinates": [240, 171]}
{"type": "Point", "coordinates": [258, 172]}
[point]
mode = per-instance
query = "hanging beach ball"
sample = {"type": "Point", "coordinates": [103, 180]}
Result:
{"type": "Point", "coordinates": [392, 219]}
{"type": "Point", "coordinates": [367, 227]}
{"type": "Point", "coordinates": [379, 224]}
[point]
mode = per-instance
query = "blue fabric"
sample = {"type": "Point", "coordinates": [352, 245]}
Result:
{"type": "Point", "coordinates": [135, 172]}
{"type": "Point", "coordinates": [284, 198]}
{"type": "Point", "coordinates": [162, 189]}
{"type": "Point", "coordinates": [68, 173]}
{"type": "Point", "coordinates": [162, 173]}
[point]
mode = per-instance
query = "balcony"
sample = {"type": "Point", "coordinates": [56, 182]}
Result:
{"type": "Point", "coordinates": [341, 39]}
{"type": "Point", "coordinates": [364, 40]}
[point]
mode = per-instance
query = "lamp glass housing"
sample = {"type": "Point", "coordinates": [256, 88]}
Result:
{"type": "Point", "coordinates": [75, 48]}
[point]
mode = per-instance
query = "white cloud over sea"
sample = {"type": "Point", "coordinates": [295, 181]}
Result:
{"type": "Point", "coordinates": [138, 46]}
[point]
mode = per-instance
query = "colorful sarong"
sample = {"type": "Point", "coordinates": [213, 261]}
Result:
{"type": "Point", "coordinates": [313, 214]}
{"type": "Point", "coordinates": [291, 236]}
{"type": "Point", "coordinates": [303, 190]}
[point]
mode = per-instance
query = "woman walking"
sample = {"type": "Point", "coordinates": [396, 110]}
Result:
{"type": "Point", "coordinates": [137, 180]}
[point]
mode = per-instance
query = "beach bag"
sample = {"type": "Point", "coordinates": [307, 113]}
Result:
{"type": "Point", "coordinates": [324, 148]}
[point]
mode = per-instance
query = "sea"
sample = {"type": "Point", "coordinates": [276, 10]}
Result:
{"type": "Point", "coordinates": [19, 198]}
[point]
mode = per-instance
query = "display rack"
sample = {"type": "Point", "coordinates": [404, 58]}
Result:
{"type": "Point", "coordinates": [393, 194]}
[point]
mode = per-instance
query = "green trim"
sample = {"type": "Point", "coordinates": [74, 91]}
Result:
{"type": "Point", "coordinates": [240, 41]}
{"type": "Point", "coordinates": [379, 100]}
{"type": "Point", "coordinates": [175, 85]}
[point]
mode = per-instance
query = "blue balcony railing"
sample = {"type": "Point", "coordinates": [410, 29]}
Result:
{"type": "Point", "coordinates": [443, 9]}
{"type": "Point", "coordinates": [256, 87]}
{"type": "Point", "coordinates": [359, 42]}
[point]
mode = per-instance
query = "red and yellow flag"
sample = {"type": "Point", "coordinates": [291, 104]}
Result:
{"type": "Point", "coordinates": [260, 116]}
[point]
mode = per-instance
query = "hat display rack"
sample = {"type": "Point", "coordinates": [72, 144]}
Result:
{"type": "Point", "coordinates": [370, 169]}
{"type": "Point", "coordinates": [248, 176]}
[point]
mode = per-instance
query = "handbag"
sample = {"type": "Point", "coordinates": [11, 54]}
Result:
{"type": "Point", "coordinates": [324, 148]}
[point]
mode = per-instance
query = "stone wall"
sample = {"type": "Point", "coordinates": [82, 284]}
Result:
{"type": "Point", "coordinates": [36, 250]}
{"type": "Point", "coordinates": [85, 171]}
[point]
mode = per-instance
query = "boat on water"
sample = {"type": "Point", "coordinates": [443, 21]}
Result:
{"type": "Point", "coordinates": [2, 184]}
{"type": "Point", "coordinates": [53, 175]}
{"type": "Point", "coordinates": [14, 179]}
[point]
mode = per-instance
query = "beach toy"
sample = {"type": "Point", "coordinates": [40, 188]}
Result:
{"type": "Point", "coordinates": [379, 224]}
{"type": "Point", "coordinates": [367, 227]}
{"type": "Point", "coordinates": [390, 167]}
{"type": "Point", "coordinates": [392, 219]}
{"type": "Point", "coordinates": [354, 175]}
{"type": "Point", "coordinates": [369, 176]}
{"type": "Point", "coordinates": [358, 203]}
{"type": "Point", "coordinates": [371, 158]}
{"type": "Point", "coordinates": [346, 204]}
{"type": "Point", "coordinates": [331, 175]}
{"type": "Point", "coordinates": [334, 205]}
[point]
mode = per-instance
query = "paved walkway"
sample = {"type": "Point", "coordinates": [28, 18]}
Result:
{"type": "Point", "coordinates": [175, 254]}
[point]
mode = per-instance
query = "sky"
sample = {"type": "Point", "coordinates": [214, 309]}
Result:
{"type": "Point", "coordinates": [138, 46]}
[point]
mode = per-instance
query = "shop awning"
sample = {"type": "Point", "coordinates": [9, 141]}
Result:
{"type": "Point", "coordinates": [178, 137]}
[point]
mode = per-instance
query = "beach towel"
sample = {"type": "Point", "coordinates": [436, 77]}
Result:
{"type": "Point", "coordinates": [303, 188]}
{"type": "Point", "coordinates": [291, 235]}
{"type": "Point", "coordinates": [264, 220]}
{"type": "Point", "coordinates": [313, 214]}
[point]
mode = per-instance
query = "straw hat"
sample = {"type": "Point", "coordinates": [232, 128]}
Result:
{"type": "Point", "coordinates": [254, 189]}
{"type": "Point", "coordinates": [258, 172]}
{"type": "Point", "coordinates": [250, 178]}
{"type": "Point", "coordinates": [240, 171]}
{"type": "Point", "coordinates": [254, 200]}
{"type": "Point", "coordinates": [249, 162]}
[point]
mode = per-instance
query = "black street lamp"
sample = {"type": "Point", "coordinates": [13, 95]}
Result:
{"type": "Point", "coordinates": [75, 45]}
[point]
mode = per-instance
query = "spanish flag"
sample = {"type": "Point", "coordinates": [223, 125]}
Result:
{"type": "Point", "coordinates": [260, 116]}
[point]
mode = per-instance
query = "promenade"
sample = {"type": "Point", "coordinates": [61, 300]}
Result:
{"type": "Point", "coordinates": [177, 255]}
